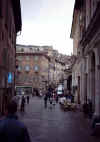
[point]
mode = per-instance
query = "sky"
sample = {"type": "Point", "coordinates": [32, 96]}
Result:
{"type": "Point", "coordinates": [47, 22]}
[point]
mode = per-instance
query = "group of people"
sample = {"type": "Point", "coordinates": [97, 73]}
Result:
{"type": "Point", "coordinates": [52, 97]}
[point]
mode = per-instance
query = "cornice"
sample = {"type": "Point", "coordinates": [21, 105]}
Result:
{"type": "Point", "coordinates": [33, 54]}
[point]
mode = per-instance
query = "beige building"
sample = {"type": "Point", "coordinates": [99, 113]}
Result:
{"type": "Point", "coordinates": [76, 67]}
{"type": "Point", "coordinates": [38, 67]}
{"type": "Point", "coordinates": [89, 45]}
{"type": "Point", "coordinates": [33, 69]}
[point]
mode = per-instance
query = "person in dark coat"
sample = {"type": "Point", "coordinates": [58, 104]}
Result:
{"type": "Point", "coordinates": [11, 129]}
{"type": "Point", "coordinates": [28, 98]}
{"type": "Point", "coordinates": [22, 104]}
{"type": "Point", "coordinates": [49, 94]}
{"type": "Point", "coordinates": [85, 109]}
{"type": "Point", "coordinates": [45, 100]}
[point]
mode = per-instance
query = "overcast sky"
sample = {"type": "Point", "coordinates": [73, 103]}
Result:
{"type": "Point", "coordinates": [47, 22]}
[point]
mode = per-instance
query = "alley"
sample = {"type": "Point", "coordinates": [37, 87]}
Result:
{"type": "Point", "coordinates": [54, 125]}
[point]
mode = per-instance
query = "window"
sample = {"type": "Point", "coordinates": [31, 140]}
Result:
{"type": "Point", "coordinates": [27, 68]}
{"type": "Point", "coordinates": [36, 58]}
{"type": "Point", "coordinates": [19, 68]}
{"type": "Point", "coordinates": [36, 68]}
{"type": "Point", "coordinates": [19, 58]}
{"type": "Point", "coordinates": [27, 58]}
{"type": "Point", "coordinates": [22, 50]}
{"type": "Point", "coordinates": [31, 49]}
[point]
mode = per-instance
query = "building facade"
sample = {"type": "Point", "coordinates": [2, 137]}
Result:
{"type": "Point", "coordinates": [33, 69]}
{"type": "Point", "coordinates": [38, 67]}
{"type": "Point", "coordinates": [76, 65]}
{"type": "Point", "coordinates": [10, 24]}
{"type": "Point", "coordinates": [89, 45]}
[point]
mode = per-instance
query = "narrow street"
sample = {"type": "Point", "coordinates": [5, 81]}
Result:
{"type": "Point", "coordinates": [54, 125]}
{"type": "Point", "coordinates": [50, 48]}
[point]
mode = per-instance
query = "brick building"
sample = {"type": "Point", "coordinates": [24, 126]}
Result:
{"type": "Point", "coordinates": [10, 24]}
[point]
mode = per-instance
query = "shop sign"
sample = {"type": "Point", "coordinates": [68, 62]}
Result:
{"type": "Point", "coordinates": [10, 77]}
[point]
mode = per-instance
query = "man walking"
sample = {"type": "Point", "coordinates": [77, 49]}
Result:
{"type": "Point", "coordinates": [11, 129]}
{"type": "Point", "coordinates": [45, 100]}
{"type": "Point", "coordinates": [23, 104]}
{"type": "Point", "coordinates": [28, 98]}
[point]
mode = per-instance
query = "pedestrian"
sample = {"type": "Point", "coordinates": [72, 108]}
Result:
{"type": "Point", "coordinates": [41, 93]}
{"type": "Point", "coordinates": [95, 125]}
{"type": "Point", "coordinates": [11, 129]}
{"type": "Point", "coordinates": [85, 109]}
{"type": "Point", "coordinates": [56, 98]}
{"type": "Point", "coordinates": [16, 99]}
{"type": "Point", "coordinates": [45, 100]}
{"type": "Point", "coordinates": [49, 94]}
{"type": "Point", "coordinates": [22, 104]}
{"type": "Point", "coordinates": [90, 108]}
{"type": "Point", "coordinates": [51, 101]}
{"type": "Point", "coordinates": [28, 99]}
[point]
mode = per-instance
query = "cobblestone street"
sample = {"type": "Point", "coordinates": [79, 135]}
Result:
{"type": "Point", "coordinates": [54, 125]}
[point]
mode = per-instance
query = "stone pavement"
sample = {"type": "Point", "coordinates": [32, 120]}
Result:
{"type": "Point", "coordinates": [54, 125]}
